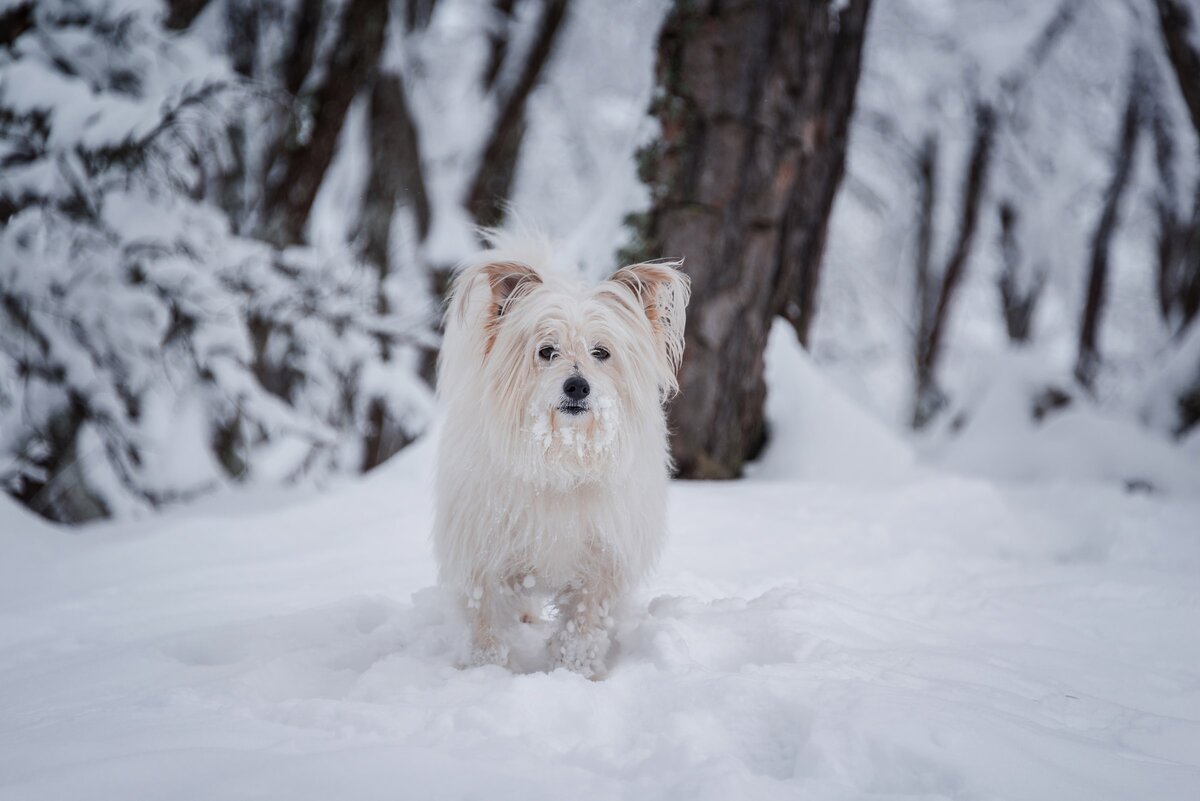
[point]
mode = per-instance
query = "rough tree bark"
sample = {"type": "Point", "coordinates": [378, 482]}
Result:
{"type": "Point", "coordinates": [828, 80]}
{"type": "Point", "coordinates": [1087, 362]}
{"type": "Point", "coordinates": [754, 103]}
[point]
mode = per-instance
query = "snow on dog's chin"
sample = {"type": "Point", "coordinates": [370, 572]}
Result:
{"type": "Point", "coordinates": [573, 448]}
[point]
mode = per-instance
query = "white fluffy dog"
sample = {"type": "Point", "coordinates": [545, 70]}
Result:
{"type": "Point", "coordinates": [553, 465]}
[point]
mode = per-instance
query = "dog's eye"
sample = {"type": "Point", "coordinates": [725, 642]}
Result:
{"type": "Point", "coordinates": [546, 353]}
{"type": "Point", "coordinates": [600, 354]}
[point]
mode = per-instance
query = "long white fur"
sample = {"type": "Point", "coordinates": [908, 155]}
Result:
{"type": "Point", "coordinates": [529, 500]}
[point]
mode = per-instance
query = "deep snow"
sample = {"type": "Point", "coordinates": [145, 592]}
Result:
{"type": "Point", "coordinates": [888, 629]}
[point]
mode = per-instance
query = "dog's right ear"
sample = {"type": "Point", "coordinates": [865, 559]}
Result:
{"type": "Point", "coordinates": [508, 282]}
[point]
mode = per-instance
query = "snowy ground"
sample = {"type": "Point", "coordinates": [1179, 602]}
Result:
{"type": "Point", "coordinates": [889, 631]}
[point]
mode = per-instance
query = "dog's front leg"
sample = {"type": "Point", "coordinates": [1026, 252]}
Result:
{"type": "Point", "coordinates": [583, 641]}
{"type": "Point", "coordinates": [487, 646]}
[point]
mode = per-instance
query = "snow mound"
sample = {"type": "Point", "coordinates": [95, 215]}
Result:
{"type": "Point", "coordinates": [1000, 439]}
{"type": "Point", "coordinates": [817, 432]}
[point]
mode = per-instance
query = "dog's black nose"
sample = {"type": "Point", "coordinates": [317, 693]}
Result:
{"type": "Point", "coordinates": [576, 388]}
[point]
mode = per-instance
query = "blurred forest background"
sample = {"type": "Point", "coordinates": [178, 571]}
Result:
{"type": "Point", "coordinates": [226, 226]}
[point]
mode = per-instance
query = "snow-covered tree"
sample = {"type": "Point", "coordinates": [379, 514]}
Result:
{"type": "Point", "coordinates": [147, 351]}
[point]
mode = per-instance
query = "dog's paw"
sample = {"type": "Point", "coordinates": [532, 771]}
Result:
{"type": "Point", "coordinates": [581, 652]}
{"type": "Point", "coordinates": [491, 653]}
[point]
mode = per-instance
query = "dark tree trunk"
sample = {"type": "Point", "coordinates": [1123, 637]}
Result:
{"type": "Point", "coordinates": [493, 179]}
{"type": "Point", "coordinates": [304, 45]}
{"type": "Point", "coordinates": [417, 13]}
{"type": "Point", "coordinates": [14, 21]}
{"type": "Point", "coordinates": [1088, 361]}
{"type": "Point", "coordinates": [298, 166]}
{"type": "Point", "coordinates": [829, 80]}
{"type": "Point", "coordinates": [1179, 231]}
{"type": "Point", "coordinates": [927, 161]}
{"type": "Point", "coordinates": [182, 13]}
{"type": "Point", "coordinates": [231, 185]}
{"type": "Point", "coordinates": [396, 186]}
{"type": "Point", "coordinates": [1018, 297]}
{"type": "Point", "coordinates": [1178, 277]}
{"type": "Point", "coordinates": [936, 297]}
{"type": "Point", "coordinates": [1178, 28]}
{"type": "Point", "coordinates": [65, 496]}
{"type": "Point", "coordinates": [242, 22]}
{"type": "Point", "coordinates": [498, 39]}
{"type": "Point", "coordinates": [754, 105]}
{"type": "Point", "coordinates": [396, 179]}
{"type": "Point", "coordinates": [1020, 286]}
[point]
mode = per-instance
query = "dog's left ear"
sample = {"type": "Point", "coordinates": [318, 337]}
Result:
{"type": "Point", "coordinates": [663, 292]}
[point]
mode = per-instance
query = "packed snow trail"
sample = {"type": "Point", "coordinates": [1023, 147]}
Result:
{"type": "Point", "coordinates": [936, 637]}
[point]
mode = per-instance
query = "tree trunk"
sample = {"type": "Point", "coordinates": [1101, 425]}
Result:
{"type": "Point", "coordinates": [936, 297]}
{"type": "Point", "coordinates": [493, 179]}
{"type": "Point", "coordinates": [396, 179]}
{"type": "Point", "coordinates": [498, 40]}
{"type": "Point", "coordinates": [1178, 34]}
{"type": "Point", "coordinates": [1179, 231]}
{"type": "Point", "coordinates": [1088, 361]}
{"type": "Point", "coordinates": [298, 166]}
{"type": "Point", "coordinates": [396, 186]}
{"type": "Point", "coordinates": [242, 22]}
{"type": "Point", "coordinates": [1018, 297]}
{"type": "Point", "coordinates": [182, 13]}
{"type": "Point", "coordinates": [304, 45]}
{"type": "Point", "coordinates": [826, 98]}
{"type": "Point", "coordinates": [754, 104]}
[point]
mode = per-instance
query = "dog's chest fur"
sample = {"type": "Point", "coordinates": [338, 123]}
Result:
{"type": "Point", "coordinates": [556, 534]}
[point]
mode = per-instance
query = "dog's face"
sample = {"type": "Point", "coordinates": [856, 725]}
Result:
{"type": "Point", "coordinates": [574, 377]}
